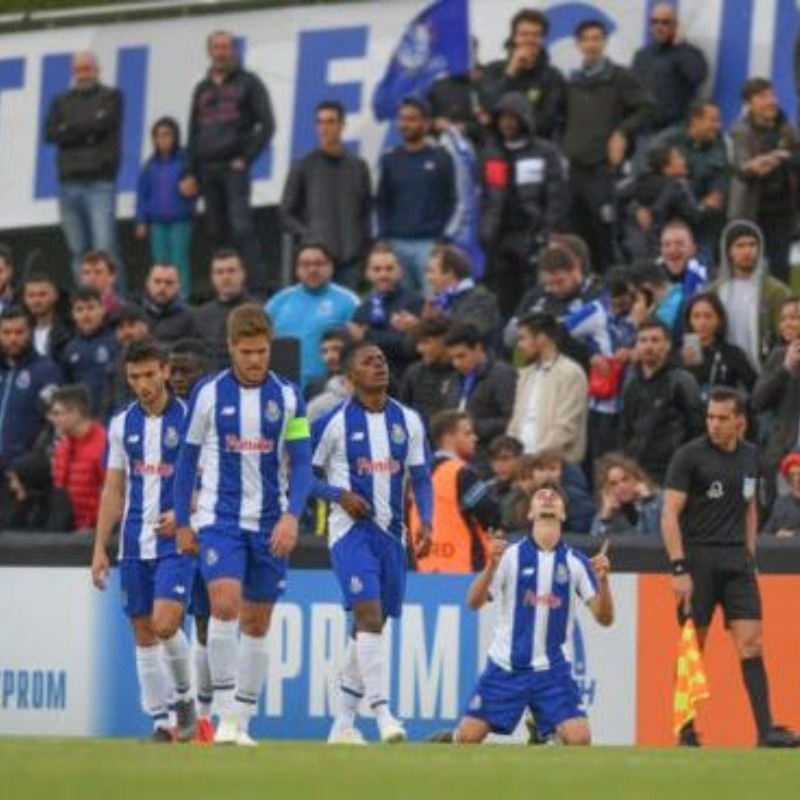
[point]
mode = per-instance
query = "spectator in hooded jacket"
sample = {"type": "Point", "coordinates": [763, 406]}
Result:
{"type": "Point", "coordinates": [90, 353]}
{"type": "Point", "coordinates": [524, 197]}
{"type": "Point", "coordinates": [45, 302]}
{"type": "Point", "coordinates": [78, 457]}
{"type": "Point", "coordinates": [27, 380]}
{"type": "Point", "coordinates": [169, 316]}
{"type": "Point", "coordinates": [379, 317]}
{"type": "Point", "coordinates": [527, 70]}
{"type": "Point", "coordinates": [231, 123]}
{"type": "Point", "coordinates": [671, 68]}
{"type": "Point", "coordinates": [327, 197]}
{"type": "Point", "coordinates": [85, 125]}
{"type": "Point", "coordinates": [765, 156]}
{"type": "Point", "coordinates": [162, 211]}
{"type": "Point", "coordinates": [607, 107]}
{"type": "Point", "coordinates": [751, 295]}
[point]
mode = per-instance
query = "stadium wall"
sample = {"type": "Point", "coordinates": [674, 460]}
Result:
{"type": "Point", "coordinates": [67, 667]}
{"type": "Point", "coordinates": [306, 54]}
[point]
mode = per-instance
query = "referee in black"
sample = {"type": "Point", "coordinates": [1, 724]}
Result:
{"type": "Point", "coordinates": [709, 525]}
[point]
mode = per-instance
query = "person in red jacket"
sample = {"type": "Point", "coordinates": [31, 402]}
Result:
{"type": "Point", "coordinates": [77, 461]}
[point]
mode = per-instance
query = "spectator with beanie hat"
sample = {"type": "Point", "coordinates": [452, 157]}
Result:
{"type": "Point", "coordinates": [784, 521]}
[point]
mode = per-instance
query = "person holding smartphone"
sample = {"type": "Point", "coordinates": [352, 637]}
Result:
{"type": "Point", "coordinates": [707, 354]}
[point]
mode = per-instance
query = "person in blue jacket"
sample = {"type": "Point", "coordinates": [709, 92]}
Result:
{"type": "Point", "coordinates": [27, 380]}
{"type": "Point", "coordinates": [163, 209]}
{"type": "Point", "coordinates": [314, 305]}
{"type": "Point", "coordinates": [89, 354]}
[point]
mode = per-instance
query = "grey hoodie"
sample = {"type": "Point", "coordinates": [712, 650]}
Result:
{"type": "Point", "coordinates": [765, 311]}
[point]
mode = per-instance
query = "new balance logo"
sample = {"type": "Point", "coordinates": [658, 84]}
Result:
{"type": "Point", "coordinates": [228, 411]}
{"type": "Point", "coordinates": [179, 589]}
{"type": "Point", "coordinates": [358, 436]}
{"type": "Point", "coordinates": [528, 571]}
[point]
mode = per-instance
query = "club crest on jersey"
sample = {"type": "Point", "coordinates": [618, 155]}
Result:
{"type": "Point", "coordinates": [562, 575]}
{"type": "Point", "coordinates": [356, 586]}
{"type": "Point", "coordinates": [171, 437]}
{"type": "Point", "coordinates": [398, 434]}
{"type": "Point", "coordinates": [212, 556]}
{"type": "Point", "coordinates": [715, 491]}
{"type": "Point", "coordinates": [23, 379]}
{"type": "Point", "coordinates": [749, 489]}
{"type": "Point", "coordinates": [272, 411]}
{"type": "Point", "coordinates": [102, 355]}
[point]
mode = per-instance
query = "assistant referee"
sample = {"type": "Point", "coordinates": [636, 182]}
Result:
{"type": "Point", "coordinates": [709, 525]}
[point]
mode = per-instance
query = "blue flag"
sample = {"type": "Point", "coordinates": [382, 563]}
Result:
{"type": "Point", "coordinates": [435, 44]}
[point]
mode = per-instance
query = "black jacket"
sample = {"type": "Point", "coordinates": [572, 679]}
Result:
{"type": "Point", "coordinates": [425, 388]}
{"type": "Point", "coordinates": [211, 320]}
{"type": "Point", "coordinates": [85, 125]}
{"type": "Point", "coordinates": [328, 199]}
{"type": "Point", "coordinates": [543, 87]}
{"type": "Point", "coordinates": [659, 414]}
{"type": "Point", "coordinates": [724, 364]}
{"type": "Point", "coordinates": [457, 99]}
{"type": "Point", "coordinates": [673, 73]}
{"type": "Point", "coordinates": [490, 403]}
{"type": "Point", "coordinates": [479, 307]}
{"type": "Point", "coordinates": [524, 188]}
{"type": "Point", "coordinates": [612, 99]}
{"type": "Point", "coordinates": [399, 348]}
{"type": "Point", "coordinates": [777, 390]}
{"type": "Point", "coordinates": [169, 323]}
{"type": "Point", "coordinates": [229, 120]}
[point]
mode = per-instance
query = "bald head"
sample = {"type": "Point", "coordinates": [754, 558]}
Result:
{"type": "Point", "coordinates": [85, 69]}
{"type": "Point", "coordinates": [664, 22]}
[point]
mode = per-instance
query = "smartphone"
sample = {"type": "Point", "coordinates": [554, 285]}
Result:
{"type": "Point", "coordinates": [691, 342]}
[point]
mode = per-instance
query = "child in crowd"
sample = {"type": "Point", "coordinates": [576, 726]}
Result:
{"type": "Point", "coordinates": [162, 209]}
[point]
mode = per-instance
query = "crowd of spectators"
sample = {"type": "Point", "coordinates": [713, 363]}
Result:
{"type": "Point", "coordinates": [636, 255]}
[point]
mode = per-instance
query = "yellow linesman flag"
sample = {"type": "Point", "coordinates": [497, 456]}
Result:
{"type": "Point", "coordinates": [691, 684]}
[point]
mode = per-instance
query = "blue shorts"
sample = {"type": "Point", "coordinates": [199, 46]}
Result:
{"type": "Point", "coordinates": [199, 603]}
{"type": "Point", "coordinates": [371, 565]}
{"type": "Point", "coordinates": [500, 698]}
{"type": "Point", "coordinates": [144, 582]}
{"type": "Point", "coordinates": [245, 557]}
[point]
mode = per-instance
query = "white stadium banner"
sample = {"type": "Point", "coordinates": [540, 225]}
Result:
{"type": "Point", "coordinates": [306, 54]}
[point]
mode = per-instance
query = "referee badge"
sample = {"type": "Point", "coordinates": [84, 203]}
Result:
{"type": "Point", "coordinates": [272, 411]}
{"type": "Point", "coordinates": [749, 489]}
{"type": "Point", "coordinates": [398, 434]}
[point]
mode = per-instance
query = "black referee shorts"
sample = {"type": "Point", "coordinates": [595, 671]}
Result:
{"type": "Point", "coordinates": [722, 576]}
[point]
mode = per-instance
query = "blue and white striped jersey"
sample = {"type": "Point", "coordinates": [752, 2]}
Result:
{"type": "Point", "coordinates": [242, 432]}
{"type": "Point", "coordinates": [370, 454]}
{"type": "Point", "coordinates": [537, 591]}
{"type": "Point", "coordinates": [145, 449]}
{"type": "Point", "coordinates": [588, 323]}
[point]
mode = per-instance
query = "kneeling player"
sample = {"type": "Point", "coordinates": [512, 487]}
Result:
{"type": "Point", "coordinates": [536, 582]}
{"type": "Point", "coordinates": [156, 580]}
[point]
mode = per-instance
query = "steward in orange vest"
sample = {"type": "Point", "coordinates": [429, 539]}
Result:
{"type": "Point", "coordinates": [463, 508]}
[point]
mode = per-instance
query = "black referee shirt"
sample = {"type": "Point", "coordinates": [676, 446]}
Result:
{"type": "Point", "coordinates": [719, 487]}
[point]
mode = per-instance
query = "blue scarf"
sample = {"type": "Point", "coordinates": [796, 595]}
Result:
{"type": "Point", "coordinates": [444, 299]}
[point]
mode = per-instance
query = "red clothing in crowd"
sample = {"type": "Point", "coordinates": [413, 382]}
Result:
{"type": "Point", "coordinates": [78, 468]}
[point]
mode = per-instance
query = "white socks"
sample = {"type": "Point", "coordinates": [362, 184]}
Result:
{"type": "Point", "coordinates": [369, 647]}
{"type": "Point", "coordinates": [351, 688]}
{"type": "Point", "coordinates": [176, 656]}
{"type": "Point", "coordinates": [223, 648]}
{"type": "Point", "coordinates": [252, 670]}
{"type": "Point", "coordinates": [153, 687]}
{"type": "Point", "coordinates": [205, 686]}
